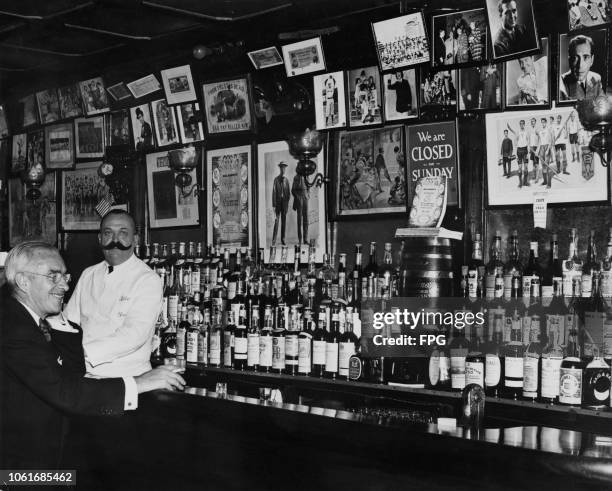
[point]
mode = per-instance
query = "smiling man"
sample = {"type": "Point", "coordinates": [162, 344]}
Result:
{"type": "Point", "coordinates": [579, 82]}
{"type": "Point", "coordinates": [511, 38]}
{"type": "Point", "coordinates": [117, 302]}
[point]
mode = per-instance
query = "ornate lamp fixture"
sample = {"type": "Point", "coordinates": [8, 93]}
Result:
{"type": "Point", "coordinates": [596, 116]}
{"type": "Point", "coordinates": [183, 161]}
{"type": "Point", "coordinates": [33, 176]}
{"type": "Point", "coordinates": [304, 146]}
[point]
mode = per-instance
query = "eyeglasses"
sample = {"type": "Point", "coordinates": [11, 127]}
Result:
{"type": "Point", "coordinates": [54, 277]}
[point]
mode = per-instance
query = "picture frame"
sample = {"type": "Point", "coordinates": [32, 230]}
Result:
{"type": "Point", "coordinates": [93, 93]}
{"type": "Point", "coordinates": [294, 210]}
{"type": "Point", "coordinates": [89, 137]}
{"type": "Point", "coordinates": [119, 91]}
{"type": "Point", "coordinates": [304, 57]}
{"type": "Point", "coordinates": [227, 104]}
{"type": "Point", "coordinates": [369, 172]}
{"type": "Point", "coordinates": [265, 58]}
{"type": "Point", "coordinates": [594, 14]}
{"type": "Point", "coordinates": [401, 42]}
{"type": "Point", "coordinates": [36, 148]}
{"type": "Point", "coordinates": [70, 101]}
{"type": "Point", "coordinates": [178, 85]}
{"type": "Point", "coordinates": [480, 88]}
{"type": "Point", "coordinates": [527, 80]}
{"type": "Point", "coordinates": [365, 97]}
{"type": "Point", "coordinates": [82, 188]}
{"type": "Point", "coordinates": [19, 153]}
{"type": "Point", "coordinates": [144, 86]}
{"type": "Point", "coordinates": [189, 132]}
{"type": "Point", "coordinates": [230, 197]}
{"type": "Point", "coordinates": [568, 87]}
{"type": "Point", "coordinates": [437, 90]}
{"type": "Point", "coordinates": [400, 95]}
{"type": "Point", "coordinates": [166, 204]}
{"type": "Point", "coordinates": [329, 100]}
{"type": "Point", "coordinates": [118, 128]}
{"type": "Point", "coordinates": [29, 114]}
{"type": "Point", "coordinates": [464, 42]}
{"type": "Point", "coordinates": [520, 22]}
{"type": "Point", "coordinates": [164, 118]}
{"type": "Point", "coordinates": [568, 174]}
{"type": "Point", "coordinates": [142, 128]}
{"type": "Point", "coordinates": [48, 106]}
{"type": "Point", "coordinates": [4, 129]}
{"type": "Point", "coordinates": [59, 146]}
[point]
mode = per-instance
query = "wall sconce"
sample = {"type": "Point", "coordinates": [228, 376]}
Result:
{"type": "Point", "coordinates": [33, 176]}
{"type": "Point", "coordinates": [304, 146]}
{"type": "Point", "coordinates": [596, 116]}
{"type": "Point", "coordinates": [183, 161]}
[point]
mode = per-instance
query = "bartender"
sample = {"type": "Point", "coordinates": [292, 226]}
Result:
{"type": "Point", "coordinates": [116, 302]}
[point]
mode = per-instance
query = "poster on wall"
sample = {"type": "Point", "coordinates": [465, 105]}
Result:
{"type": "Point", "coordinates": [228, 174]}
{"type": "Point", "coordinates": [168, 207]}
{"type": "Point", "coordinates": [459, 38]}
{"type": "Point", "coordinates": [289, 213]}
{"type": "Point", "coordinates": [190, 129]}
{"type": "Point", "coordinates": [48, 106]}
{"type": "Point", "coordinates": [18, 155]}
{"type": "Point", "coordinates": [527, 80]}
{"type": "Point", "coordinates": [330, 105]}
{"type": "Point", "coordinates": [480, 88]}
{"type": "Point", "coordinates": [82, 190]}
{"type": "Point", "coordinates": [365, 96]}
{"type": "Point", "coordinates": [401, 41]}
{"type": "Point", "coordinates": [70, 102]}
{"type": "Point", "coordinates": [433, 152]}
{"type": "Point", "coordinates": [400, 95]}
{"type": "Point", "coordinates": [59, 146]}
{"type": "Point", "coordinates": [370, 172]}
{"type": "Point", "coordinates": [513, 28]}
{"type": "Point", "coordinates": [29, 114]}
{"type": "Point", "coordinates": [227, 105]}
{"type": "Point", "coordinates": [166, 131]}
{"type": "Point", "coordinates": [32, 220]}
{"type": "Point", "coordinates": [178, 84]}
{"type": "Point", "coordinates": [142, 132]}
{"type": "Point", "coordinates": [89, 137]}
{"type": "Point", "coordinates": [546, 151]}
{"type": "Point", "coordinates": [303, 57]}
{"type": "Point", "coordinates": [94, 96]}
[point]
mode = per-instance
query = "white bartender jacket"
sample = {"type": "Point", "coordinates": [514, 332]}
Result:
{"type": "Point", "coordinates": [117, 312]}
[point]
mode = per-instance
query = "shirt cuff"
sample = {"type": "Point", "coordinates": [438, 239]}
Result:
{"type": "Point", "coordinates": [131, 394]}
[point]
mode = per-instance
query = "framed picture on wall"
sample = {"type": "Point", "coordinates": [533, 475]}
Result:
{"type": "Point", "coordinates": [369, 172]}
{"type": "Point", "coordinates": [527, 80]}
{"type": "Point", "coordinates": [227, 104]}
{"type": "Point", "coordinates": [304, 57]}
{"type": "Point", "coordinates": [144, 86]}
{"type": "Point", "coordinates": [330, 104]}
{"type": "Point", "coordinates": [119, 91]}
{"type": "Point", "coordinates": [48, 106]}
{"type": "Point", "coordinates": [590, 13]}
{"type": "Point", "coordinates": [29, 114]}
{"type": "Point", "coordinates": [36, 148]}
{"type": "Point", "coordinates": [19, 153]}
{"type": "Point", "coordinates": [59, 146]}
{"type": "Point", "coordinates": [365, 96]}
{"type": "Point", "coordinates": [229, 197]}
{"type": "Point", "coordinates": [82, 189]}
{"type": "Point", "coordinates": [190, 130]}
{"type": "Point", "coordinates": [166, 131]}
{"type": "Point", "coordinates": [266, 57]}
{"type": "Point", "coordinates": [513, 28]}
{"type": "Point", "coordinates": [142, 131]}
{"type": "Point", "coordinates": [178, 85]}
{"type": "Point", "coordinates": [118, 123]}
{"type": "Point", "coordinates": [400, 95]}
{"type": "Point", "coordinates": [561, 165]}
{"type": "Point", "coordinates": [89, 137]}
{"type": "Point", "coordinates": [289, 213]}
{"type": "Point", "coordinates": [401, 42]}
{"type": "Point", "coordinates": [437, 90]}
{"type": "Point", "coordinates": [480, 88]}
{"type": "Point", "coordinates": [70, 102]}
{"type": "Point", "coordinates": [4, 129]}
{"type": "Point", "coordinates": [94, 96]}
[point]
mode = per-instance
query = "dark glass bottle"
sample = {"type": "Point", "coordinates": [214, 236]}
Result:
{"type": "Point", "coordinates": [265, 341]}
{"type": "Point", "coordinates": [349, 345]}
{"type": "Point", "coordinates": [241, 340]}
{"type": "Point", "coordinates": [474, 267]}
{"type": "Point", "coordinates": [305, 344]}
{"type": "Point", "coordinates": [253, 339]}
{"type": "Point", "coordinates": [332, 344]}
{"type": "Point", "coordinates": [319, 345]}
{"type": "Point", "coordinates": [292, 341]}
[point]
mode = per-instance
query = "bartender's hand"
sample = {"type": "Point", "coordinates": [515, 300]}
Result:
{"type": "Point", "coordinates": [163, 377]}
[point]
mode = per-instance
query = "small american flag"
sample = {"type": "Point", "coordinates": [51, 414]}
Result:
{"type": "Point", "coordinates": [104, 206]}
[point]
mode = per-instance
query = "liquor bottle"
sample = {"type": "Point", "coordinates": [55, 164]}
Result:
{"type": "Point", "coordinates": [168, 342]}
{"type": "Point", "coordinates": [249, 265]}
{"type": "Point", "coordinates": [571, 373]}
{"type": "Point", "coordinates": [494, 268]}
{"type": "Point", "coordinates": [154, 259]}
{"type": "Point", "coordinates": [193, 337]}
{"type": "Point", "coordinates": [552, 275]}
{"type": "Point", "coordinates": [474, 267]}
{"type": "Point", "coordinates": [172, 294]}
{"type": "Point", "coordinates": [590, 268]}
{"type": "Point", "coordinates": [203, 337]}
{"type": "Point", "coordinates": [319, 345]}
{"type": "Point", "coordinates": [595, 314]}
{"type": "Point", "coordinates": [241, 341]}
{"type": "Point", "coordinates": [494, 349]}
{"type": "Point", "coordinates": [475, 366]}
{"type": "Point", "coordinates": [532, 276]}
{"type": "Point", "coordinates": [572, 266]}
{"type": "Point", "coordinates": [531, 361]}
{"type": "Point", "coordinates": [146, 257]}
{"type": "Point", "coordinates": [215, 352]}
{"type": "Point", "coordinates": [196, 267]}
{"type": "Point", "coordinates": [349, 345]}
{"type": "Point", "coordinates": [464, 291]}
{"type": "Point", "coordinates": [228, 340]}
{"type": "Point", "coordinates": [305, 344]}
{"type": "Point", "coordinates": [369, 283]}
{"type": "Point", "coordinates": [606, 270]}
{"type": "Point", "coordinates": [386, 274]}
{"type": "Point", "coordinates": [356, 278]}
{"type": "Point", "coordinates": [291, 341]}
{"type": "Point", "coordinates": [265, 340]}
{"type": "Point", "coordinates": [596, 392]}
{"type": "Point", "coordinates": [332, 344]}
{"type": "Point", "coordinates": [458, 348]}
{"type": "Point", "coordinates": [181, 333]}
{"type": "Point", "coordinates": [552, 353]}
{"type": "Point", "coordinates": [342, 276]}
{"type": "Point", "coordinates": [156, 353]}
{"type": "Point", "coordinates": [439, 366]}
{"type": "Point", "coordinates": [253, 339]}
{"type": "Point", "coordinates": [513, 357]}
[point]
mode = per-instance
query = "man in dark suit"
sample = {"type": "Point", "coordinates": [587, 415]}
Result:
{"type": "Point", "coordinates": [42, 368]}
{"type": "Point", "coordinates": [280, 201]}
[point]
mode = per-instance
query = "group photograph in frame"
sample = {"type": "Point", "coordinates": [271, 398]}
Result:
{"type": "Point", "coordinates": [190, 130]}
{"type": "Point", "coordinates": [144, 86]}
{"type": "Point", "coordinates": [401, 42]}
{"type": "Point", "coordinates": [288, 212]}
{"type": "Point", "coordinates": [19, 153]}
{"type": "Point", "coordinates": [304, 57]}
{"type": "Point", "coordinates": [229, 197]}
{"type": "Point", "coordinates": [59, 146]}
{"type": "Point", "coordinates": [118, 123]}
{"type": "Point", "coordinates": [330, 102]}
{"type": "Point", "coordinates": [513, 28]}
{"type": "Point", "coordinates": [365, 96]}
{"type": "Point", "coordinates": [480, 88]}
{"type": "Point", "coordinates": [166, 130]}
{"type": "Point", "coordinates": [82, 189]}
{"type": "Point", "coordinates": [400, 95]}
{"type": "Point", "coordinates": [265, 58]}
{"type": "Point", "coordinates": [583, 14]}
{"type": "Point", "coordinates": [48, 106]}
{"type": "Point", "coordinates": [94, 96]}
{"type": "Point", "coordinates": [32, 219]}
{"type": "Point", "coordinates": [227, 104]}
{"type": "Point", "coordinates": [437, 89]}
{"type": "Point", "coordinates": [167, 205]}
{"type": "Point", "coordinates": [527, 80]}
{"type": "Point", "coordinates": [459, 38]}
{"type": "Point", "coordinates": [582, 65]}
{"type": "Point", "coordinates": [370, 169]}
{"type": "Point", "coordinates": [553, 156]}
{"type": "Point", "coordinates": [70, 101]}
{"type": "Point", "coordinates": [89, 137]}
{"type": "Point", "coordinates": [178, 85]}
{"type": "Point", "coordinates": [142, 131]}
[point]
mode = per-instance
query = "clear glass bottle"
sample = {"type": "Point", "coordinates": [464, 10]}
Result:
{"type": "Point", "coordinates": [474, 267]}
{"type": "Point", "coordinates": [265, 340]}
{"type": "Point", "coordinates": [590, 268]}
{"type": "Point", "coordinates": [495, 266]}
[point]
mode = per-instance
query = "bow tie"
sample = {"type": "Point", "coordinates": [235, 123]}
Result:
{"type": "Point", "coordinates": [110, 269]}
{"type": "Point", "coordinates": [45, 328]}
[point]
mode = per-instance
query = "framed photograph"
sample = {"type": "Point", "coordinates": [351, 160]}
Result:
{"type": "Point", "coordinates": [229, 197]}
{"type": "Point", "coordinates": [369, 172]}
{"type": "Point", "coordinates": [89, 137]}
{"type": "Point", "coordinates": [365, 96]}
{"type": "Point", "coordinates": [545, 150]}
{"type": "Point", "coordinates": [288, 212]}
{"type": "Point", "coordinates": [32, 220]}
{"type": "Point", "coordinates": [19, 153]}
{"type": "Point", "coordinates": [82, 189]}
{"type": "Point", "coordinates": [118, 132]}
{"type": "Point", "coordinates": [166, 130]}
{"type": "Point", "coordinates": [459, 38]}
{"type": "Point", "coordinates": [582, 65]}
{"type": "Point", "coordinates": [36, 148]}
{"type": "Point", "coordinates": [583, 14]}
{"type": "Point", "coordinates": [4, 130]}
{"type": "Point", "coordinates": [142, 131]}
{"type": "Point", "coordinates": [178, 85]}
{"type": "Point", "coordinates": [190, 130]}
{"type": "Point", "coordinates": [143, 86]}
{"type": "Point", "coordinates": [304, 57]}
{"type": "Point", "coordinates": [526, 80]}
{"type": "Point", "coordinates": [438, 90]}
{"type": "Point", "coordinates": [119, 91]}
{"type": "Point", "coordinates": [400, 95]}
{"type": "Point", "coordinates": [513, 28]}
{"type": "Point", "coordinates": [167, 206]}
{"type": "Point", "coordinates": [480, 88]}
{"type": "Point", "coordinates": [265, 58]}
{"type": "Point", "coordinates": [59, 146]}
{"type": "Point", "coordinates": [401, 41]}
{"type": "Point", "coordinates": [227, 104]}
{"type": "Point", "coordinates": [70, 101]}
{"type": "Point", "coordinates": [433, 152]}
{"type": "Point", "coordinates": [94, 96]}
{"type": "Point", "coordinates": [28, 111]}
{"type": "Point", "coordinates": [330, 104]}
{"type": "Point", "coordinates": [48, 106]}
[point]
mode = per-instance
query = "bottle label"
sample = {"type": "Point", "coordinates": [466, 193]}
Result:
{"type": "Point", "coordinates": [586, 285]}
{"type": "Point", "coordinates": [597, 386]}
{"type": "Point", "coordinates": [304, 355]}
{"type": "Point", "coordinates": [240, 348]}
{"type": "Point", "coordinates": [474, 373]}
{"type": "Point", "coordinates": [457, 370]}
{"type": "Point", "coordinates": [291, 346]}
{"type": "Point", "coordinates": [345, 351]}
{"type": "Point", "coordinates": [551, 372]}
{"type": "Point", "coordinates": [570, 386]}
{"type": "Point", "coordinates": [530, 376]}
{"type": "Point", "coordinates": [192, 347]}
{"type": "Point", "coordinates": [173, 307]}
{"type": "Point", "coordinates": [606, 283]}
{"type": "Point", "coordinates": [473, 283]}
{"type": "Point", "coordinates": [508, 286]}
{"type": "Point", "coordinates": [265, 351]}
{"type": "Point", "coordinates": [278, 352]}
{"type": "Point", "coordinates": [331, 357]}
{"type": "Point", "coordinates": [318, 352]}
{"type": "Point", "coordinates": [434, 368]}
{"type": "Point", "coordinates": [527, 285]}
{"type": "Point", "coordinates": [355, 368]}
{"type": "Point", "coordinates": [253, 349]}
{"type": "Point", "coordinates": [513, 369]}
{"type": "Point", "coordinates": [547, 291]}
{"type": "Point", "coordinates": [490, 285]}
{"type": "Point", "coordinates": [215, 348]}
{"type": "Point", "coordinates": [203, 347]}
{"type": "Point", "coordinates": [493, 370]}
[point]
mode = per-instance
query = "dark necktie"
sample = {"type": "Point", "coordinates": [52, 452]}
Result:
{"type": "Point", "coordinates": [110, 269]}
{"type": "Point", "coordinates": [45, 328]}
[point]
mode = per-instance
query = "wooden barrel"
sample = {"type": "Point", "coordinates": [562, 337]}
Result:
{"type": "Point", "coordinates": [427, 268]}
